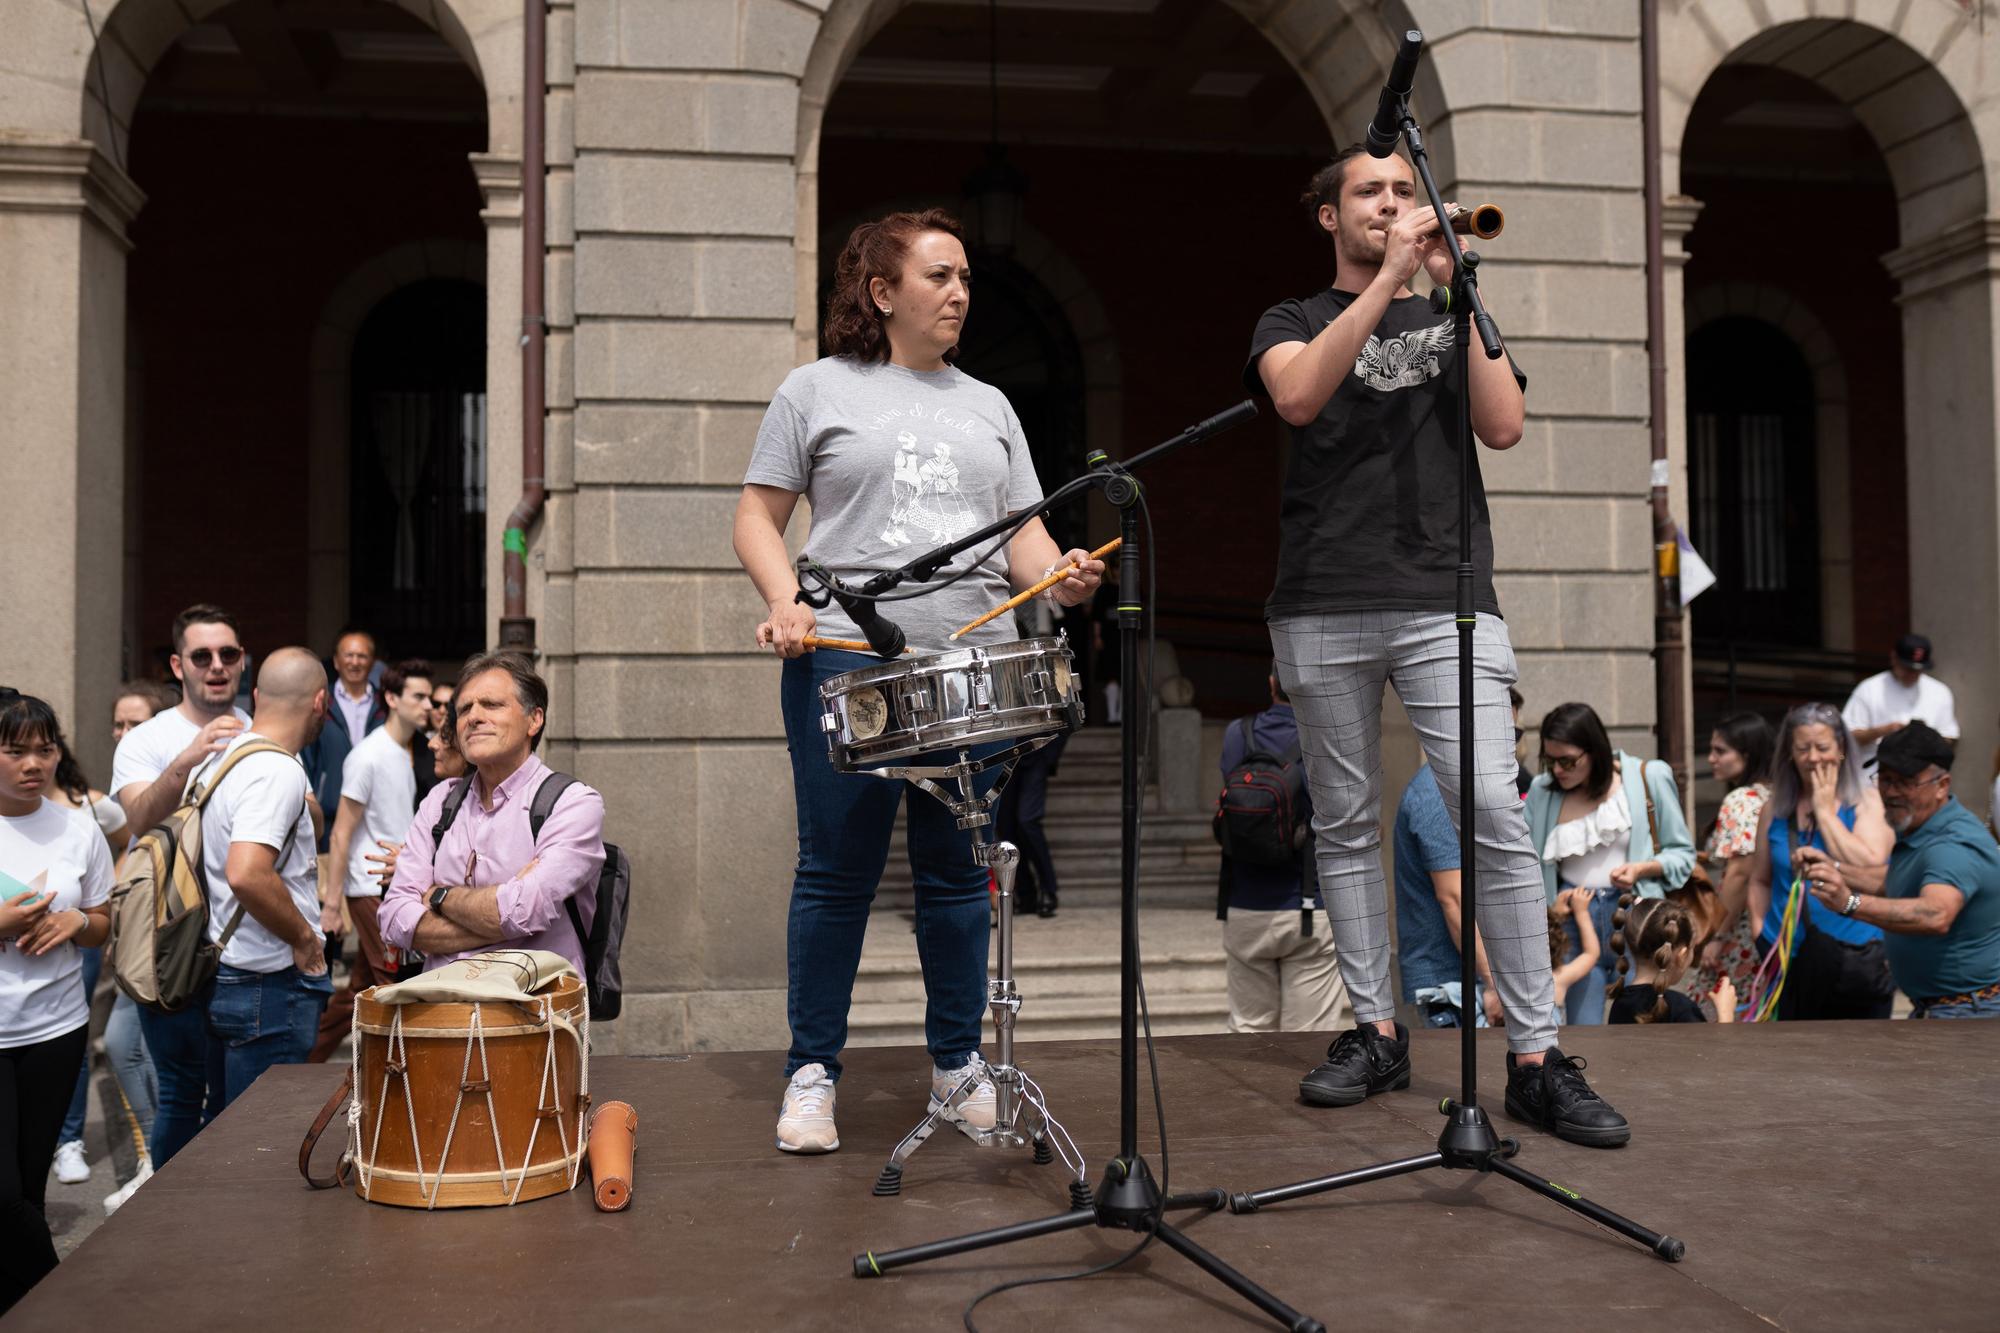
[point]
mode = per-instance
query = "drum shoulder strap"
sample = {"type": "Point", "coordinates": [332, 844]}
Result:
{"type": "Point", "coordinates": [319, 1124]}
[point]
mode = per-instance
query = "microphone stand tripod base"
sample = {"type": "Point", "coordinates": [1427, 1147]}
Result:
{"type": "Point", "coordinates": [1128, 1199]}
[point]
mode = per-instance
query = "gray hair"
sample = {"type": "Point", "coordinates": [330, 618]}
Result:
{"type": "Point", "coordinates": [529, 687]}
{"type": "Point", "coordinates": [1786, 788]}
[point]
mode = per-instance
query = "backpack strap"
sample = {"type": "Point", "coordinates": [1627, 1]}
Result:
{"type": "Point", "coordinates": [546, 796]}
{"type": "Point", "coordinates": [452, 801]}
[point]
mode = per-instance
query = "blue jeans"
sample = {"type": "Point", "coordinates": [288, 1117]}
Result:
{"type": "Point", "coordinates": [260, 1019]}
{"type": "Point", "coordinates": [125, 1048]}
{"type": "Point", "coordinates": [1585, 1003]}
{"type": "Point", "coordinates": [179, 1047]}
{"type": "Point", "coordinates": [845, 820]}
{"type": "Point", "coordinates": [72, 1126]}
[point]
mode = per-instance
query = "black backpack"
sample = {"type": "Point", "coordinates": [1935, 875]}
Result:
{"type": "Point", "coordinates": [614, 889]}
{"type": "Point", "coordinates": [1257, 816]}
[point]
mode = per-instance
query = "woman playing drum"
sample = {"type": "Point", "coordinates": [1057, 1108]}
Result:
{"type": "Point", "coordinates": [838, 432]}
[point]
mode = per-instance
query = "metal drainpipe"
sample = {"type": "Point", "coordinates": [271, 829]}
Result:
{"type": "Point", "coordinates": [1669, 648]}
{"type": "Point", "coordinates": [517, 628]}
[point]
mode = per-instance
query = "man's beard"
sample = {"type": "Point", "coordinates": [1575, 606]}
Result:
{"type": "Point", "coordinates": [1900, 820]}
{"type": "Point", "coordinates": [218, 690]}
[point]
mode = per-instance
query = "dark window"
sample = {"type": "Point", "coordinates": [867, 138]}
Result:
{"type": "Point", "coordinates": [417, 515]}
{"type": "Point", "coordinates": [1753, 482]}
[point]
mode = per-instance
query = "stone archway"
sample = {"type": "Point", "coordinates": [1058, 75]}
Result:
{"type": "Point", "coordinates": [73, 79]}
{"type": "Point", "coordinates": [1909, 70]}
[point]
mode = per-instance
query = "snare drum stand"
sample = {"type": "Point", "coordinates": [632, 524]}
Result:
{"type": "Point", "coordinates": [1021, 1116]}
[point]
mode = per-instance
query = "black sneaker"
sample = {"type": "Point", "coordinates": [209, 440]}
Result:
{"type": "Point", "coordinates": [1360, 1063]}
{"type": "Point", "coordinates": [1554, 1096]}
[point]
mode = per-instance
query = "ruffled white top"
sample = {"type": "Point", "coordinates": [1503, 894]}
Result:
{"type": "Point", "coordinates": [1587, 848]}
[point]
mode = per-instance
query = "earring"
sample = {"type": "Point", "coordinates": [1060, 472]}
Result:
{"type": "Point", "coordinates": [885, 310]}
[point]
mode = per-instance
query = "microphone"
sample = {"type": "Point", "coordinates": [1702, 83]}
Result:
{"type": "Point", "coordinates": [885, 637]}
{"type": "Point", "coordinates": [817, 587]}
{"type": "Point", "coordinates": [1387, 126]}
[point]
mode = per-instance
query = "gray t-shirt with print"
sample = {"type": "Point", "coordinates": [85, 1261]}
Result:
{"type": "Point", "coordinates": [895, 462]}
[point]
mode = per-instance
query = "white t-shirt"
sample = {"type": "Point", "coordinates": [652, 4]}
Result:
{"type": "Point", "coordinates": [379, 777]}
{"type": "Point", "coordinates": [1883, 699]}
{"type": "Point", "coordinates": [262, 800]}
{"type": "Point", "coordinates": [43, 997]}
{"type": "Point", "coordinates": [150, 748]}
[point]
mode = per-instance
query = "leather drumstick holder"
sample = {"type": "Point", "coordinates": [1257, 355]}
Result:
{"type": "Point", "coordinates": [614, 1128]}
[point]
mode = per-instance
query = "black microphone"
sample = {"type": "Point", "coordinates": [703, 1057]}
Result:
{"type": "Point", "coordinates": [885, 637]}
{"type": "Point", "coordinates": [1387, 127]}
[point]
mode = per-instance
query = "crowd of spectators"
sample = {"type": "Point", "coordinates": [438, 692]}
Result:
{"type": "Point", "coordinates": [311, 795]}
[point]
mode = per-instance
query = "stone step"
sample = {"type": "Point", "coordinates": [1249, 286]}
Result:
{"type": "Point", "coordinates": [1039, 977]}
{"type": "Point", "coordinates": [1060, 1019]}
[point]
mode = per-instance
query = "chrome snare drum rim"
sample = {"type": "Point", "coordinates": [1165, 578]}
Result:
{"type": "Point", "coordinates": [945, 700]}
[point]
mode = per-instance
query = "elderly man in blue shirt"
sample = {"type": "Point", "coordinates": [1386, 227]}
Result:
{"type": "Point", "coordinates": [1938, 899]}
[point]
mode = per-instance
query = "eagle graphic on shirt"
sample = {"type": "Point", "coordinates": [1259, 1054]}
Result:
{"type": "Point", "coordinates": [1406, 360]}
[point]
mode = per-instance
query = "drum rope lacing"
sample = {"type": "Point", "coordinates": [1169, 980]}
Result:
{"type": "Point", "coordinates": [396, 1062]}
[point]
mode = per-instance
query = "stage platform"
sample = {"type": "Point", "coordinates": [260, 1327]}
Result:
{"type": "Point", "coordinates": [1824, 1176]}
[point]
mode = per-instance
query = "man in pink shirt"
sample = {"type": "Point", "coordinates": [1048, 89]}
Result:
{"type": "Point", "coordinates": [489, 882]}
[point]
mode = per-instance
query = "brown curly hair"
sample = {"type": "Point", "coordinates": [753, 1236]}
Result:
{"type": "Point", "coordinates": [875, 250]}
{"type": "Point", "coordinates": [1657, 928]}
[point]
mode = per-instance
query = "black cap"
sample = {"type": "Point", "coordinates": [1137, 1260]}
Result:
{"type": "Point", "coordinates": [1914, 650]}
{"type": "Point", "coordinates": [1911, 749]}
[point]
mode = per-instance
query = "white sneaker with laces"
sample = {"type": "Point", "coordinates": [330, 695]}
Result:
{"type": "Point", "coordinates": [977, 1110]}
{"type": "Point", "coordinates": [72, 1168]}
{"type": "Point", "coordinates": [805, 1120]}
{"type": "Point", "coordinates": [117, 1197]}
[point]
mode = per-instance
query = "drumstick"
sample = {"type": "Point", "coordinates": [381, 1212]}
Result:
{"type": "Point", "coordinates": [1036, 591]}
{"type": "Point", "coordinates": [845, 645]}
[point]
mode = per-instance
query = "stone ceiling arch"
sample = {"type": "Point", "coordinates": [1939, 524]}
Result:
{"type": "Point", "coordinates": [89, 85]}
{"type": "Point", "coordinates": [1908, 69]}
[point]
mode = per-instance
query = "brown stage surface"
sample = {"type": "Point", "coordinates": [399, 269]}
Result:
{"type": "Point", "coordinates": [1824, 1176]}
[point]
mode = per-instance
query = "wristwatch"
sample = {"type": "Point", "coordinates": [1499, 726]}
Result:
{"type": "Point", "coordinates": [437, 897]}
{"type": "Point", "coordinates": [1853, 901]}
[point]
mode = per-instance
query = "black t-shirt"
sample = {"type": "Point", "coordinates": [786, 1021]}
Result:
{"type": "Point", "coordinates": [1636, 1000]}
{"type": "Point", "coordinates": [1370, 514]}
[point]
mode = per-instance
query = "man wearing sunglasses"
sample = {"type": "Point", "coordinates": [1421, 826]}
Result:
{"type": "Point", "coordinates": [148, 774]}
{"type": "Point", "coordinates": [153, 761]}
{"type": "Point", "coordinates": [1938, 900]}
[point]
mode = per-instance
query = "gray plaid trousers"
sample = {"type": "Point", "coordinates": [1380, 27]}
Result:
{"type": "Point", "coordinates": [1333, 665]}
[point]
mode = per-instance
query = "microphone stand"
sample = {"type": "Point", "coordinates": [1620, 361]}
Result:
{"type": "Point", "coordinates": [1468, 1142]}
{"type": "Point", "coordinates": [1129, 1199]}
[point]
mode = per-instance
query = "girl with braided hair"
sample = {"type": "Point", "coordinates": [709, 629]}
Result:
{"type": "Point", "coordinates": [1653, 939]}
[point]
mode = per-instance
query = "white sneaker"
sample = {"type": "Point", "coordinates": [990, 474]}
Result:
{"type": "Point", "coordinates": [805, 1122]}
{"type": "Point", "coordinates": [130, 1187]}
{"type": "Point", "coordinates": [71, 1166]}
{"type": "Point", "coordinates": [977, 1110]}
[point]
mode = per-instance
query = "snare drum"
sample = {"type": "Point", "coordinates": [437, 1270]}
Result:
{"type": "Point", "coordinates": [950, 700]}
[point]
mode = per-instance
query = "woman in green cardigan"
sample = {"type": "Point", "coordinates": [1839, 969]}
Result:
{"type": "Point", "coordinates": [1590, 823]}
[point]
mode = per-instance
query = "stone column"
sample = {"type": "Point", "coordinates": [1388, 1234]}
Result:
{"type": "Point", "coordinates": [1952, 418]}
{"type": "Point", "coordinates": [1546, 124]}
{"type": "Point", "coordinates": [64, 210]}
{"type": "Point", "coordinates": [686, 132]}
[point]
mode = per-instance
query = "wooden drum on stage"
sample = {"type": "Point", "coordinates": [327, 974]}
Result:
{"type": "Point", "coordinates": [470, 1104]}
